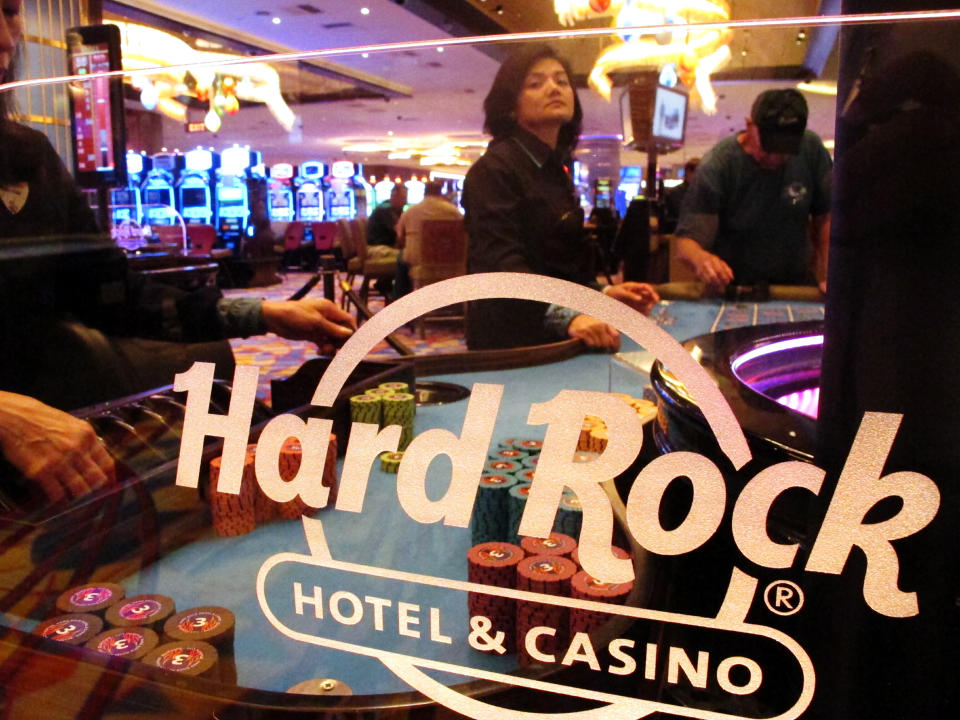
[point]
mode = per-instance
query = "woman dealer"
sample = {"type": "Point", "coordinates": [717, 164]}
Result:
{"type": "Point", "coordinates": [521, 211]}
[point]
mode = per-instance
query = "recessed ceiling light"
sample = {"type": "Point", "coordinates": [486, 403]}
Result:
{"type": "Point", "coordinates": [276, 21]}
{"type": "Point", "coordinates": [439, 49]}
{"type": "Point", "coordinates": [364, 11]}
{"type": "Point", "coordinates": [364, 55]}
{"type": "Point", "coordinates": [389, 132]}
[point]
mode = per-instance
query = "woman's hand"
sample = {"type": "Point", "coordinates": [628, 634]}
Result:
{"type": "Point", "coordinates": [594, 333]}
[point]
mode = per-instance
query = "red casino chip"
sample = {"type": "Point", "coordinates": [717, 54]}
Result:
{"type": "Point", "coordinates": [530, 445]}
{"type": "Point", "coordinates": [210, 623]}
{"type": "Point", "coordinates": [556, 544]}
{"type": "Point", "coordinates": [131, 643]}
{"type": "Point", "coordinates": [549, 574]}
{"type": "Point", "coordinates": [617, 552]}
{"type": "Point", "coordinates": [585, 587]}
{"type": "Point", "coordinates": [90, 598]}
{"type": "Point", "coordinates": [194, 658]}
{"type": "Point", "coordinates": [72, 629]}
{"type": "Point", "coordinates": [141, 610]}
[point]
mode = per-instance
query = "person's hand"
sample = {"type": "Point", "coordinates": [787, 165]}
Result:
{"type": "Point", "coordinates": [60, 452]}
{"type": "Point", "coordinates": [594, 333]}
{"type": "Point", "coordinates": [640, 296]}
{"type": "Point", "coordinates": [712, 271]}
{"type": "Point", "coordinates": [318, 320]}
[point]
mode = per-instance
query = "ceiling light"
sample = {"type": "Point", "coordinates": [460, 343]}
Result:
{"type": "Point", "coordinates": [364, 11]}
{"type": "Point", "coordinates": [276, 21]}
{"type": "Point", "coordinates": [439, 49]}
{"type": "Point", "coordinates": [364, 55]}
{"type": "Point", "coordinates": [389, 132]}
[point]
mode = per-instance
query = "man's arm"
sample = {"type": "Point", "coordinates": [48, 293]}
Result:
{"type": "Point", "coordinates": [708, 268]}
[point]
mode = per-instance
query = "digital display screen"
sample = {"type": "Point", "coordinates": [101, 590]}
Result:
{"type": "Point", "coordinates": [279, 200]}
{"type": "Point", "coordinates": [230, 196]}
{"type": "Point", "coordinates": [309, 198]}
{"type": "Point", "coordinates": [669, 115]}
{"type": "Point", "coordinates": [165, 162]}
{"type": "Point", "coordinates": [122, 196]}
{"type": "Point", "coordinates": [92, 122]}
{"type": "Point", "coordinates": [158, 196]}
{"type": "Point", "coordinates": [194, 197]}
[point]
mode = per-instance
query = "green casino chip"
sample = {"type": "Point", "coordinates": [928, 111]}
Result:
{"type": "Point", "coordinates": [390, 461]}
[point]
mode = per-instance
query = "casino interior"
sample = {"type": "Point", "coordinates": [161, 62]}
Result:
{"type": "Point", "coordinates": [746, 509]}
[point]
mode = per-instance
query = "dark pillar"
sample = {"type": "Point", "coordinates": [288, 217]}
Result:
{"type": "Point", "coordinates": [893, 345]}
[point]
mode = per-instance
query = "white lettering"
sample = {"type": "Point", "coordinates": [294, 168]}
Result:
{"type": "Point", "coordinates": [627, 664]}
{"type": "Point", "coordinates": [337, 614]}
{"type": "Point", "coordinates": [677, 660]}
{"type": "Point", "coordinates": [530, 643]}
{"type": "Point", "coordinates": [581, 650]}
{"type": "Point", "coordinates": [435, 634]}
{"type": "Point", "coordinates": [299, 600]}
{"type": "Point", "coordinates": [378, 605]}
{"type": "Point", "coordinates": [408, 618]}
{"type": "Point", "coordinates": [753, 668]}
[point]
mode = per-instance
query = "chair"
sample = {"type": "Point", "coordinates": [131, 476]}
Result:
{"type": "Point", "coordinates": [292, 245]}
{"type": "Point", "coordinates": [443, 254]}
{"type": "Point", "coordinates": [373, 268]}
{"type": "Point", "coordinates": [200, 241]}
{"type": "Point", "coordinates": [171, 235]}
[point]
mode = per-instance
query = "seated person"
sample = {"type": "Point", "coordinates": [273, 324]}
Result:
{"type": "Point", "coordinates": [521, 211]}
{"type": "Point", "coordinates": [382, 232]}
{"type": "Point", "coordinates": [433, 207]}
{"type": "Point", "coordinates": [759, 207]}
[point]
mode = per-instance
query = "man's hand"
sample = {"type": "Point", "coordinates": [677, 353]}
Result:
{"type": "Point", "coordinates": [709, 269]}
{"type": "Point", "coordinates": [594, 333]}
{"type": "Point", "coordinates": [640, 296]}
{"type": "Point", "coordinates": [58, 451]}
{"type": "Point", "coordinates": [318, 320]}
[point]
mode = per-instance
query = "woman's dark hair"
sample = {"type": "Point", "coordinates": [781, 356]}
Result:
{"type": "Point", "coordinates": [8, 104]}
{"type": "Point", "coordinates": [501, 102]}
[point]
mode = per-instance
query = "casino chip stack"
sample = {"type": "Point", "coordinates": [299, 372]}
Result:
{"type": "Point", "coordinates": [593, 434]}
{"type": "Point", "coordinates": [131, 643]}
{"type": "Point", "coordinates": [90, 598]}
{"type": "Point", "coordinates": [557, 544]}
{"type": "Point", "coordinates": [495, 564]}
{"type": "Point", "coordinates": [547, 575]}
{"type": "Point", "coordinates": [515, 505]}
{"type": "Point", "coordinates": [207, 624]}
{"type": "Point", "coordinates": [70, 629]}
{"type": "Point", "coordinates": [585, 587]}
{"type": "Point", "coordinates": [491, 511]}
{"type": "Point", "coordinates": [366, 409]}
{"type": "Point", "coordinates": [400, 409]}
{"type": "Point", "coordinates": [192, 658]}
{"type": "Point", "coordinates": [144, 611]}
{"type": "Point", "coordinates": [569, 515]}
{"type": "Point", "coordinates": [234, 514]}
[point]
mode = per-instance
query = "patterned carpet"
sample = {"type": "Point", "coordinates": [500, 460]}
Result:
{"type": "Point", "coordinates": [279, 358]}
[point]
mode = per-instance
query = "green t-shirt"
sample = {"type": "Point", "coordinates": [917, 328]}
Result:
{"type": "Point", "coordinates": [757, 220]}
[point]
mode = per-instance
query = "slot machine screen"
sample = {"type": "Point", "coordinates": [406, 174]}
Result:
{"type": "Point", "coordinates": [193, 197]}
{"type": "Point", "coordinates": [122, 196]}
{"type": "Point", "coordinates": [157, 196]}
{"type": "Point", "coordinates": [96, 106]}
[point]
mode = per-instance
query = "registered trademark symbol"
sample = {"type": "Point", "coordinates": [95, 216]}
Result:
{"type": "Point", "coordinates": [783, 597]}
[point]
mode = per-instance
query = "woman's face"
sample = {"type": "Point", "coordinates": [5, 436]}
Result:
{"type": "Point", "coordinates": [11, 30]}
{"type": "Point", "coordinates": [546, 97]}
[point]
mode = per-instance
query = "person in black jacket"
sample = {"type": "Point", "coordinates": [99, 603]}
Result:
{"type": "Point", "coordinates": [48, 302]}
{"type": "Point", "coordinates": [521, 211]}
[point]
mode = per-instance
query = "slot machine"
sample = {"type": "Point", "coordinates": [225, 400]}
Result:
{"type": "Point", "coordinates": [126, 204]}
{"type": "Point", "coordinates": [310, 192]}
{"type": "Point", "coordinates": [415, 191]}
{"type": "Point", "coordinates": [382, 190]}
{"type": "Point", "coordinates": [280, 201]}
{"type": "Point", "coordinates": [232, 194]}
{"type": "Point", "coordinates": [158, 189]}
{"type": "Point", "coordinates": [363, 192]}
{"type": "Point", "coordinates": [341, 192]}
{"type": "Point", "coordinates": [195, 196]}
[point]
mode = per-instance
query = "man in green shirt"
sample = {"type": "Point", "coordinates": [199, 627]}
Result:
{"type": "Point", "coordinates": [759, 208]}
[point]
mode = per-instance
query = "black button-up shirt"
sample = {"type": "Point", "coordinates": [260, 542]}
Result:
{"type": "Point", "coordinates": [521, 215]}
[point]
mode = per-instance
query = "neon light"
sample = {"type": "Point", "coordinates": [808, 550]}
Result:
{"type": "Point", "coordinates": [775, 347]}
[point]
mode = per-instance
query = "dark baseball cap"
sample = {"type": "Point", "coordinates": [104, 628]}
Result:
{"type": "Point", "coordinates": [781, 117]}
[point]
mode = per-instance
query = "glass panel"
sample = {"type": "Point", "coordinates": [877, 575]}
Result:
{"type": "Point", "coordinates": [286, 559]}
